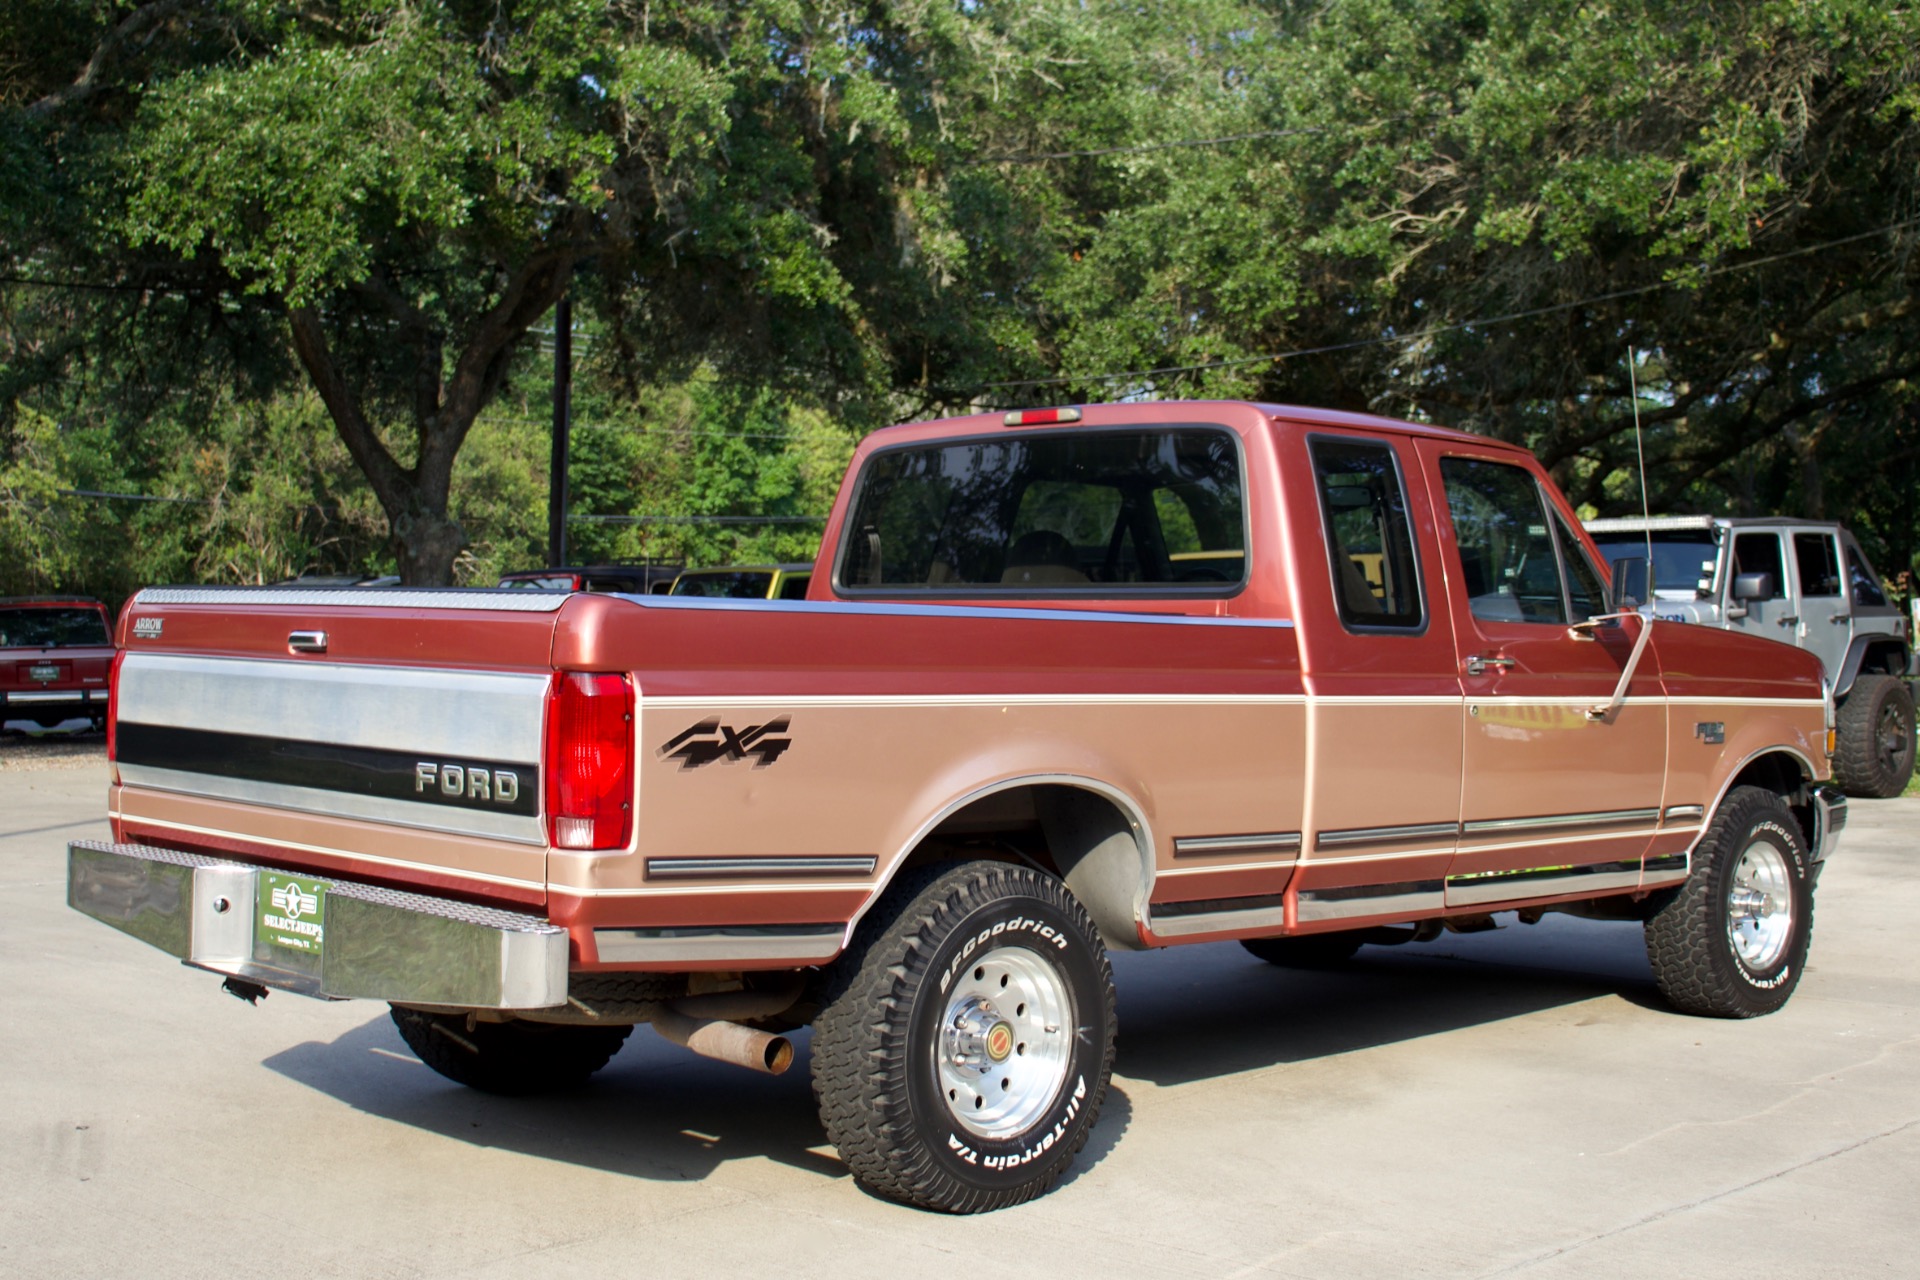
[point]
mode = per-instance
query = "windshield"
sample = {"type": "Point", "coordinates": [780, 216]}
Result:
{"type": "Point", "coordinates": [51, 628]}
{"type": "Point", "coordinates": [1086, 512]}
{"type": "Point", "coordinates": [1682, 561]}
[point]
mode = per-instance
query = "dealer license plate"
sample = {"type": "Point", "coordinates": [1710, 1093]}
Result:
{"type": "Point", "coordinates": [44, 674]}
{"type": "Point", "coordinates": [292, 912]}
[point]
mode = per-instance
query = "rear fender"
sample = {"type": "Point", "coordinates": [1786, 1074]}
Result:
{"type": "Point", "coordinates": [1099, 835]}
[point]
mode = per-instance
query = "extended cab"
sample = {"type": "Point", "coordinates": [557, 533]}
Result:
{"type": "Point", "coordinates": [1069, 680]}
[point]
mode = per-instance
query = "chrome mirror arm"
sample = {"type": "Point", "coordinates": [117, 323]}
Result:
{"type": "Point", "coordinates": [1612, 708]}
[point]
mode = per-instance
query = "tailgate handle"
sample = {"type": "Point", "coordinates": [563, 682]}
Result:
{"type": "Point", "coordinates": [307, 642]}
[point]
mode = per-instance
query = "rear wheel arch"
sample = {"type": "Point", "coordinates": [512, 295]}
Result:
{"type": "Point", "coordinates": [1871, 655]}
{"type": "Point", "coordinates": [1084, 832]}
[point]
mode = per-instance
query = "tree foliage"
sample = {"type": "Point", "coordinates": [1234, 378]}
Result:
{"type": "Point", "coordinates": [786, 222]}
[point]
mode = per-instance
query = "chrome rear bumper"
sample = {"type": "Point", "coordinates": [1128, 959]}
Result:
{"type": "Point", "coordinates": [378, 944]}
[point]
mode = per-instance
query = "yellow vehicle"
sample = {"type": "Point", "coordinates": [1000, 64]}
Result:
{"type": "Point", "coordinates": [746, 582]}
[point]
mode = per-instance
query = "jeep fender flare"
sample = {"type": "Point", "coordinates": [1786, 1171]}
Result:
{"type": "Point", "coordinates": [1857, 656]}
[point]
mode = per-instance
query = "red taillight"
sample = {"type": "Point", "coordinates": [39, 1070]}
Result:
{"type": "Point", "coordinates": [113, 707]}
{"type": "Point", "coordinates": [589, 761]}
{"type": "Point", "coordinates": [1041, 417]}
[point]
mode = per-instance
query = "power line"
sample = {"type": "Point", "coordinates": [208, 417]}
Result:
{"type": "Point", "coordinates": [1435, 331]}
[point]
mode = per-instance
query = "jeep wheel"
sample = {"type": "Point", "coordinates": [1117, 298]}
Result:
{"type": "Point", "coordinates": [965, 1038]}
{"type": "Point", "coordinates": [1731, 942]}
{"type": "Point", "coordinates": [1875, 753]}
{"type": "Point", "coordinates": [512, 1058]}
{"type": "Point", "coordinates": [1307, 951]}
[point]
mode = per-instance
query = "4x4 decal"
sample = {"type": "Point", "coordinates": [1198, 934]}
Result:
{"type": "Point", "coordinates": [710, 740]}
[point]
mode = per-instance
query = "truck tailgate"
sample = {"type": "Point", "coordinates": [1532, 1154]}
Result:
{"type": "Point", "coordinates": [350, 732]}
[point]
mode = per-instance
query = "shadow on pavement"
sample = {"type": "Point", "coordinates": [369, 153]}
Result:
{"type": "Point", "coordinates": [655, 1112]}
{"type": "Point", "coordinates": [1214, 1010]}
{"type": "Point", "coordinates": [1190, 1014]}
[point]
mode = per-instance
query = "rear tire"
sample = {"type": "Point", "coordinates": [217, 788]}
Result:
{"type": "Point", "coordinates": [511, 1058]}
{"type": "Point", "coordinates": [1731, 942]}
{"type": "Point", "coordinates": [965, 1038]}
{"type": "Point", "coordinates": [1306, 951]}
{"type": "Point", "coordinates": [1874, 757]}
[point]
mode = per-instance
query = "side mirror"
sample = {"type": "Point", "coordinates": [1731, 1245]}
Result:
{"type": "Point", "coordinates": [1632, 584]}
{"type": "Point", "coordinates": [1753, 586]}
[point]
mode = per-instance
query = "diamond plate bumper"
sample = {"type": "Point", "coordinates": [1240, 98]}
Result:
{"type": "Point", "coordinates": [380, 944]}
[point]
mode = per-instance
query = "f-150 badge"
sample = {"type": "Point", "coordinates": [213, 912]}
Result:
{"type": "Point", "coordinates": [710, 740]}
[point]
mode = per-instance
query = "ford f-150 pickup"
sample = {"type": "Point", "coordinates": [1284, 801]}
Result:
{"type": "Point", "coordinates": [1066, 680]}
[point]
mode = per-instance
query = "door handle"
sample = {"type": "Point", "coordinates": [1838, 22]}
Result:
{"type": "Point", "coordinates": [1477, 665]}
{"type": "Point", "coordinates": [1839, 618]}
{"type": "Point", "coordinates": [1791, 620]}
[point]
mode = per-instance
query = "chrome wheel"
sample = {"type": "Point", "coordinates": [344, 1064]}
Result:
{"type": "Point", "coordinates": [1760, 906]}
{"type": "Point", "coordinates": [1005, 1040]}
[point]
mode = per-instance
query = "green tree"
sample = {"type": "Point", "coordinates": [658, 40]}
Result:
{"type": "Point", "coordinates": [397, 192]}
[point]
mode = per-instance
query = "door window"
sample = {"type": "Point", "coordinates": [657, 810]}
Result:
{"type": "Point", "coordinates": [1508, 560]}
{"type": "Point", "coordinates": [1584, 590]}
{"type": "Point", "coordinates": [1760, 553]}
{"type": "Point", "coordinates": [1864, 581]}
{"type": "Point", "coordinates": [1817, 560]}
{"type": "Point", "coordinates": [1369, 540]}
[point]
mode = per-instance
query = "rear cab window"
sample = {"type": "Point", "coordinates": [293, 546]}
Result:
{"type": "Point", "coordinates": [1128, 511]}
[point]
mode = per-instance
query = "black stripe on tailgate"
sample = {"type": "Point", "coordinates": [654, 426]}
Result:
{"type": "Point", "coordinates": [491, 786]}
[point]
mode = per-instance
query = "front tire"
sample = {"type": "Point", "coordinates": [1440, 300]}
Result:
{"type": "Point", "coordinates": [511, 1058]}
{"type": "Point", "coordinates": [1874, 757]}
{"type": "Point", "coordinates": [1732, 941]}
{"type": "Point", "coordinates": [965, 1039]}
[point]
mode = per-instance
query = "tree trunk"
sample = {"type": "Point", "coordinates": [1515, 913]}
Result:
{"type": "Point", "coordinates": [426, 539]}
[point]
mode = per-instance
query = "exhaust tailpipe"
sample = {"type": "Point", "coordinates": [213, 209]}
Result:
{"type": "Point", "coordinates": [727, 1041]}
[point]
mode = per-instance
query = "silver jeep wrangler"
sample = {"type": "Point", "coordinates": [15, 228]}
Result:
{"type": "Point", "coordinates": [1803, 582]}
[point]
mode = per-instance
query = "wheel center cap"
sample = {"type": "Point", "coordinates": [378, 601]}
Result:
{"type": "Point", "coordinates": [1000, 1041]}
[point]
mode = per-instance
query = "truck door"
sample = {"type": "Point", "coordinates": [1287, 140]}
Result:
{"type": "Point", "coordinates": [1555, 800]}
{"type": "Point", "coordinates": [1826, 621]}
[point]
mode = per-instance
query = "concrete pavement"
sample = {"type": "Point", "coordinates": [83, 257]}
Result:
{"type": "Point", "coordinates": [1516, 1103]}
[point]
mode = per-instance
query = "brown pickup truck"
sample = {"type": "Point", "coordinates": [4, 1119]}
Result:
{"type": "Point", "coordinates": [1123, 676]}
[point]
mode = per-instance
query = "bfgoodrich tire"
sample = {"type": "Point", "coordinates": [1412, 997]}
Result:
{"type": "Point", "coordinates": [513, 1058]}
{"type": "Point", "coordinates": [965, 1039]}
{"type": "Point", "coordinates": [1874, 754]}
{"type": "Point", "coordinates": [1731, 942]}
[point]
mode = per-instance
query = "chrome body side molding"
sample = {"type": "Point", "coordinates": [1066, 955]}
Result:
{"type": "Point", "coordinates": [720, 945]}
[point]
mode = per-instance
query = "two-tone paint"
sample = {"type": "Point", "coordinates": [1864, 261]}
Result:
{"type": "Point", "coordinates": [1201, 767]}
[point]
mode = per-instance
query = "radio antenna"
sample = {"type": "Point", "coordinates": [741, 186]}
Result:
{"type": "Point", "coordinates": [1640, 451]}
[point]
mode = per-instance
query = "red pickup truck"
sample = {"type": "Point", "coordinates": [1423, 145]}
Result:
{"type": "Point", "coordinates": [1066, 680]}
{"type": "Point", "coordinates": [55, 653]}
